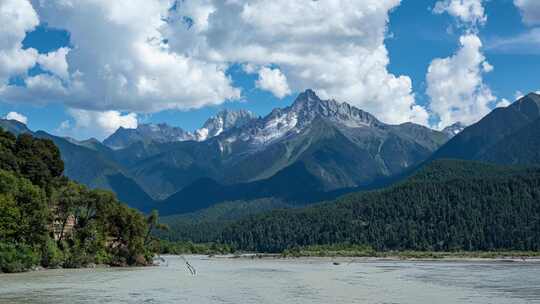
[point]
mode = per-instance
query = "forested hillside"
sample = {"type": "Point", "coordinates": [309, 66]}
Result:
{"type": "Point", "coordinates": [206, 225]}
{"type": "Point", "coordinates": [47, 220]}
{"type": "Point", "coordinates": [448, 205]}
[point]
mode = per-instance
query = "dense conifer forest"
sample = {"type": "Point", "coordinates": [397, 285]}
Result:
{"type": "Point", "coordinates": [448, 205]}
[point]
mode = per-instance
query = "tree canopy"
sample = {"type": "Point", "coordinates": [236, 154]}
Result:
{"type": "Point", "coordinates": [49, 220]}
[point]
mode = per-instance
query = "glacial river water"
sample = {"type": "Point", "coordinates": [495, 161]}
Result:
{"type": "Point", "coordinates": [312, 281]}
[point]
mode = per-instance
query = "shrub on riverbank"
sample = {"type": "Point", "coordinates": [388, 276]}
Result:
{"type": "Point", "coordinates": [17, 257]}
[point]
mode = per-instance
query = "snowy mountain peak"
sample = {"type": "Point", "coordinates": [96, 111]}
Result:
{"type": "Point", "coordinates": [454, 129]}
{"type": "Point", "coordinates": [308, 105]}
{"type": "Point", "coordinates": [223, 121]}
{"type": "Point", "coordinates": [163, 133]}
{"type": "Point", "coordinates": [285, 122]}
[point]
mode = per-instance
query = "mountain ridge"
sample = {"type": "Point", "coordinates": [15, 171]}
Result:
{"type": "Point", "coordinates": [475, 142]}
{"type": "Point", "coordinates": [338, 146]}
{"type": "Point", "coordinates": [163, 133]}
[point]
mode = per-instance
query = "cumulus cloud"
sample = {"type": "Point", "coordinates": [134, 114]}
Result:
{"type": "Point", "coordinates": [455, 84]}
{"type": "Point", "coordinates": [274, 81]}
{"type": "Point", "coordinates": [55, 62]}
{"type": "Point", "coordinates": [530, 11]}
{"type": "Point", "coordinates": [17, 116]}
{"type": "Point", "coordinates": [342, 57]}
{"type": "Point", "coordinates": [468, 12]}
{"type": "Point", "coordinates": [121, 60]}
{"type": "Point", "coordinates": [16, 18]}
{"type": "Point", "coordinates": [99, 124]}
{"type": "Point", "coordinates": [153, 55]}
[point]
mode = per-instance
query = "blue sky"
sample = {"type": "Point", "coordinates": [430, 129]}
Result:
{"type": "Point", "coordinates": [415, 36]}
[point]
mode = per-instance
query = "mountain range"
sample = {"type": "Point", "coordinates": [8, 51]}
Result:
{"type": "Point", "coordinates": [509, 135]}
{"type": "Point", "coordinates": [312, 150]}
{"type": "Point", "coordinates": [163, 133]}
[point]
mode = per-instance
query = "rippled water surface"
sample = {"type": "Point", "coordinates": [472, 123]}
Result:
{"type": "Point", "coordinates": [311, 281]}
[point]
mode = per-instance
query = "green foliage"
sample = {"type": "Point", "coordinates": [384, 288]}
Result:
{"type": "Point", "coordinates": [23, 210]}
{"type": "Point", "coordinates": [205, 226]}
{"type": "Point", "coordinates": [52, 256]}
{"type": "Point", "coordinates": [334, 250]}
{"type": "Point", "coordinates": [38, 159]}
{"type": "Point", "coordinates": [445, 207]}
{"type": "Point", "coordinates": [167, 247]}
{"type": "Point", "coordinates": [17, 257]}
{"type": "Point", "coordinates": [47, 219]}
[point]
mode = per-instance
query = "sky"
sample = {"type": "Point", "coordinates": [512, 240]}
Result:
{"type": "Point", "coordinates": [83, 68]}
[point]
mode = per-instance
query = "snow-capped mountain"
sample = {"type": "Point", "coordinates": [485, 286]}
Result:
{"type": "Point", "coordinates": [339, 144]}
{"type": "Point", "coordinates": [222, 121]}
{"type": "Point", "coordinates": [163, 133]}
{"type": "Point", "coordinates": [281, 123]}
{"type": "Point", "coordinates": [454, 129]}
{"type": "Point", "coordinates": [322, 145]}
{"type": "Point", "coordinates": [291, 121]}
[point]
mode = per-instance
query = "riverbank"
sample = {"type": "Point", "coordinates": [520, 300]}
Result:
{"type": "Point", "coordinates": [394, 256]}
{"type": "Point", "coordinates": [347, 251]}
{"type": "Point", "coordinates": [353, 251]}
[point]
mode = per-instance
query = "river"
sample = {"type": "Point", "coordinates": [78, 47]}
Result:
{"type": "Point", "coordinates": [220, 280]}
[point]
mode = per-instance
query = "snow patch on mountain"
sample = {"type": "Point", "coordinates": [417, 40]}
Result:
{"type": "Point", "coordinates": [454, 129]}
{"type": "Point", "coordinates": [223, 121]}
{"type": "Point", "coordinates": [281, 123]}
{"type": "Point", "coordinates": [163, 133]}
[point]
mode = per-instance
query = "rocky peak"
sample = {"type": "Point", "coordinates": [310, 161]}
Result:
{"type": "Point", "coordinates": [223, 121]}
{"type": "Point", "coordinates": [159, 133]}
{"type": "Point", "coordinates": [454, 129]}
{"type": "Point", "coordinates": [308, 105]}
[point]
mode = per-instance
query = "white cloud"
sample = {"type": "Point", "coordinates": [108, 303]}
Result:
{"type": "Point", "coordinates": [342, 57]}
{"type": "Point", "coordinates": [64, 127]}
{"type": "Point", "coordinates": [144, 56]}
{"type": "Point", "coordinates": [503, 103]}
{"type": "Point", "coordinates": [455, 85]}
{"type": "Point", "coordinates": [99, 124]}
{"type": "Point", "coordinates": [16, 18]}
{"type": "Point", "coordinates": [468, 12]}
{"type": "Point", "coordinates": [55, 62]}
{"type": "Point", "coordinates": [274, 81]}
{"type": "Point", "coordinates": [530, 11]}
{"type": "Point", "coordinates": [17, 116]}
{"type": "Point", "coordinates": [249, 68]}
{"type": "Point", "coordinates": [122, 61]}
{"type": "Point", "coordinates": [527, 42]}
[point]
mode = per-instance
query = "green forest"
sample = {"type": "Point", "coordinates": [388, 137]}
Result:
{"type": "Point", "coordinates": [448, 205]}
{"type": "Point", "coordinates": [47, 220]}
{"type": "Point", "coordinates": [205, 226]}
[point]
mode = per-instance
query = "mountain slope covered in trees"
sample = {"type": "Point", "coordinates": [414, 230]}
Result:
{"type": "Point", "coordinates": [448, 205]}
